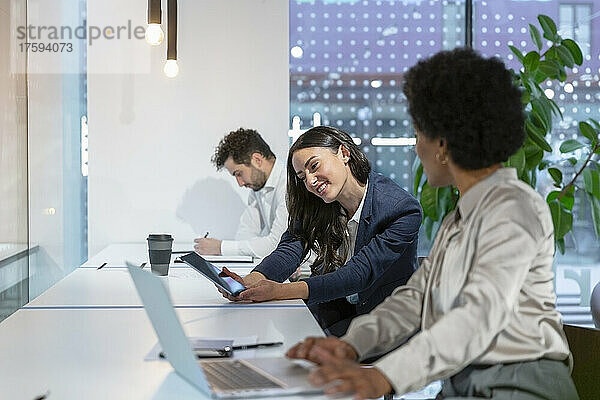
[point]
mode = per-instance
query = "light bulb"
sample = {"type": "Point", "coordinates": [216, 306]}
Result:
{"type": "Point", "coordinates": [171, 68]}
{"type": "Point", "coordinates": [154, 34]}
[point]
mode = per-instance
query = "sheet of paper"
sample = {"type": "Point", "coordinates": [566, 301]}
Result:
{"type": "Point", "coordinates": [233, 259]}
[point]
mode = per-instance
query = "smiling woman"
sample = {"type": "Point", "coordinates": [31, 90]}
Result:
{"type": "Point", "coordinates": [362, 227]}
{"type": "Point", "coordinates": [325, 162]}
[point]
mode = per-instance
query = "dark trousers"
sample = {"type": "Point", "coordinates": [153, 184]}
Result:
{"type": "Point", "coordinates": [532, 380]}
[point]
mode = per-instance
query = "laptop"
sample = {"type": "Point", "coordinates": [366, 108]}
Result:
{"type": "Point", "coordinates": [220, 378]}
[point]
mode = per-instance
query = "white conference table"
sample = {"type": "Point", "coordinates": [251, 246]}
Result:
{"type": "Point", "coordinates": [114, 255]}
{"type": "Point", "coordinates": [113, 287]}
{"type": "Point", "coordinates": [99, 354]}
{"type": "Point", "coordinates": [87, 336]}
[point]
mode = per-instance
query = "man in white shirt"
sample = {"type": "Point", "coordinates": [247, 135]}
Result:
{"type": "Point", "coordinates": [248, 158]}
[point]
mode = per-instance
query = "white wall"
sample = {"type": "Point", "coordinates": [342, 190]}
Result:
{"type": "Point", "coordinates": [151, 138]}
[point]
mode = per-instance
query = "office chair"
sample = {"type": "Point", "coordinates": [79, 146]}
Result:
{"type": "Point", "coordinates": [585, 347]}
{"type": "Point", "coordinates": [595, 305]}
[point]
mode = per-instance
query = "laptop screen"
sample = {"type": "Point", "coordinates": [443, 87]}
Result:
{"type": "Point", "coordinates": [171, 336]}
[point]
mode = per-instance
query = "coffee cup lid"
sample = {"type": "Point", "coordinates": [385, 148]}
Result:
{"type": "Point", "coordinates": [159, 236]}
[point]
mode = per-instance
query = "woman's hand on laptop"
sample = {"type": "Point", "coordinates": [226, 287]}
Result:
{"type": "Point", "coordinates": [365, 381]}
{"type": "Point", "coordinates": [334, 347]}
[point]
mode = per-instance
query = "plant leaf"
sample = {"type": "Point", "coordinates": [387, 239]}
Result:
{"type": "Point", "coordinates": [533, 178]}
{"type": "Point", "coordinates": [562, 75]}
{"type": "Point", "coordinates": [531, 61]}
{"type": "Point", "coordinates": [555, 108]}
{"type": "Point", "coordinates": [525, 97]}
{"type": "Point", "coordinates": [570, 145]}
{"type": "Point", "coordinates": [561, 218]}
{"type": "Point", "coordinates": [517, 53]}
{"type": "Point", "coordinates": [540, 118]}
{"type": "Point", "coordinates": [418, 176]}
{"type": "Point", "coordinates": [535, 36]}
{"type": "Point", "coordinates": [587, 131]}
{"type": "Point", "coordinates": [548, 26]}
{"type": "Point", "coordinates": [568, 199]}
{"type": "Point", "coordinates": [543, 105]}
{"type": "Point", "coordinates": [565, 56]}
{"type": "Point", "coordinates": [553, 195]}
{"type": "Point", "coordinates": [428, 225]}
{"type": "Point", "coordinates": [530, 85]}
{"type": "Point", "coordinates": [550, 54]}
{"type": "Point", "coordinates": [574, 49]}
{"type": "Point", "coordinates": [537, 136]}
{"type": "Point", "coordinates": [541, 110]}
{"type": "Point", "coordinates": [591, 182]}
{"type": "Point", "coordinates": [572, 161]}
{"type": "Point", "coordinates": [429, 201]}
{"type": "Point", "coordinates": [517, 161]}
{"type": "Point", "coordinates": [533, 156]}
{"type": "Point", "coordinates": [548, 68]}
{"type": "Point", "coordinates": [556, 175]}
{"type": "Point", "coordinates": [560, 243]}
{"type": "Point", "coordinates": [543, 164]}
{"type": "Point", "coordinates": [445, 204]}
{"type": "Point", "coordinates": [595, 206]}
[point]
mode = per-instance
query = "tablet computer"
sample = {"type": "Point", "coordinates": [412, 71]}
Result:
{"type": "Point", "coordinates": [229, 285]}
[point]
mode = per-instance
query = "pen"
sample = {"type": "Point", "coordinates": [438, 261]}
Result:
{"type": "Point", "coordinates": [205, 236]}
{"type": "Point", "coordinates": [242, 347]}
{"type": "Point", "coordinates": [256, 346]}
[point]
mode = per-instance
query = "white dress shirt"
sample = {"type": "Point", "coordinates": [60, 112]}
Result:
{"type": "Point", "coordinates": [483, 296]}
{"type": "Point", "coordinates": [263, 221]}
{"type": "Point", "coordinates": [352, 232]}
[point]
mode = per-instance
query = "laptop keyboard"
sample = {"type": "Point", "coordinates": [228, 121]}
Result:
{"type": "Point", "coordinates": [234, 375]}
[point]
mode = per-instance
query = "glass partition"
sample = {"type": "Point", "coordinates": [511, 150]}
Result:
{"type": "Point", "coordinates": [43, 215]}
{"type": "Point", "coordinates": [14, 268]}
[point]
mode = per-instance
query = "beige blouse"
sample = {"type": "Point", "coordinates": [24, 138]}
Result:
{"type": "Point", "coordinates": [484, 295]}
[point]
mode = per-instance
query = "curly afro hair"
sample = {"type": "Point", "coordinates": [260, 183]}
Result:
{"type": "Point", "coordinates": [240, 145]}
{"type": "Point", "coordinates": [471, 102]}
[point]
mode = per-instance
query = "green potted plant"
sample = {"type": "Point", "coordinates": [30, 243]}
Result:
{"type": "Point", "coordinates": [538, 66]}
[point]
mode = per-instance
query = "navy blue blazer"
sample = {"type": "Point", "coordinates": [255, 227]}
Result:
{"type": "Point", "coordinates": [385, 253]}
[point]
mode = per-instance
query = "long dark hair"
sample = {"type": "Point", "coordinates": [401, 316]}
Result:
{"type": "Point", "coordinates": [322, 227]}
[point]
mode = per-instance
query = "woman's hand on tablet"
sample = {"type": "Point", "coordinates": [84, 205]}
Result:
{"type": "Point", "coordinates": [265, 290]}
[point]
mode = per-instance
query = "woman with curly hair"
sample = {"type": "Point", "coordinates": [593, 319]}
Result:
{"type": "Point", "coordinates": [362, 227]}
{"type": "Point", "coordinates": [480, 311]}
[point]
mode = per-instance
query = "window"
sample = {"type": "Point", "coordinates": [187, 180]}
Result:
{"type": "Point", "coordinates": [346, 64]}
{"type": "Point", "coordinates": [574, 21]}
{"type": "Point", "coordinates": [498, 24]}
